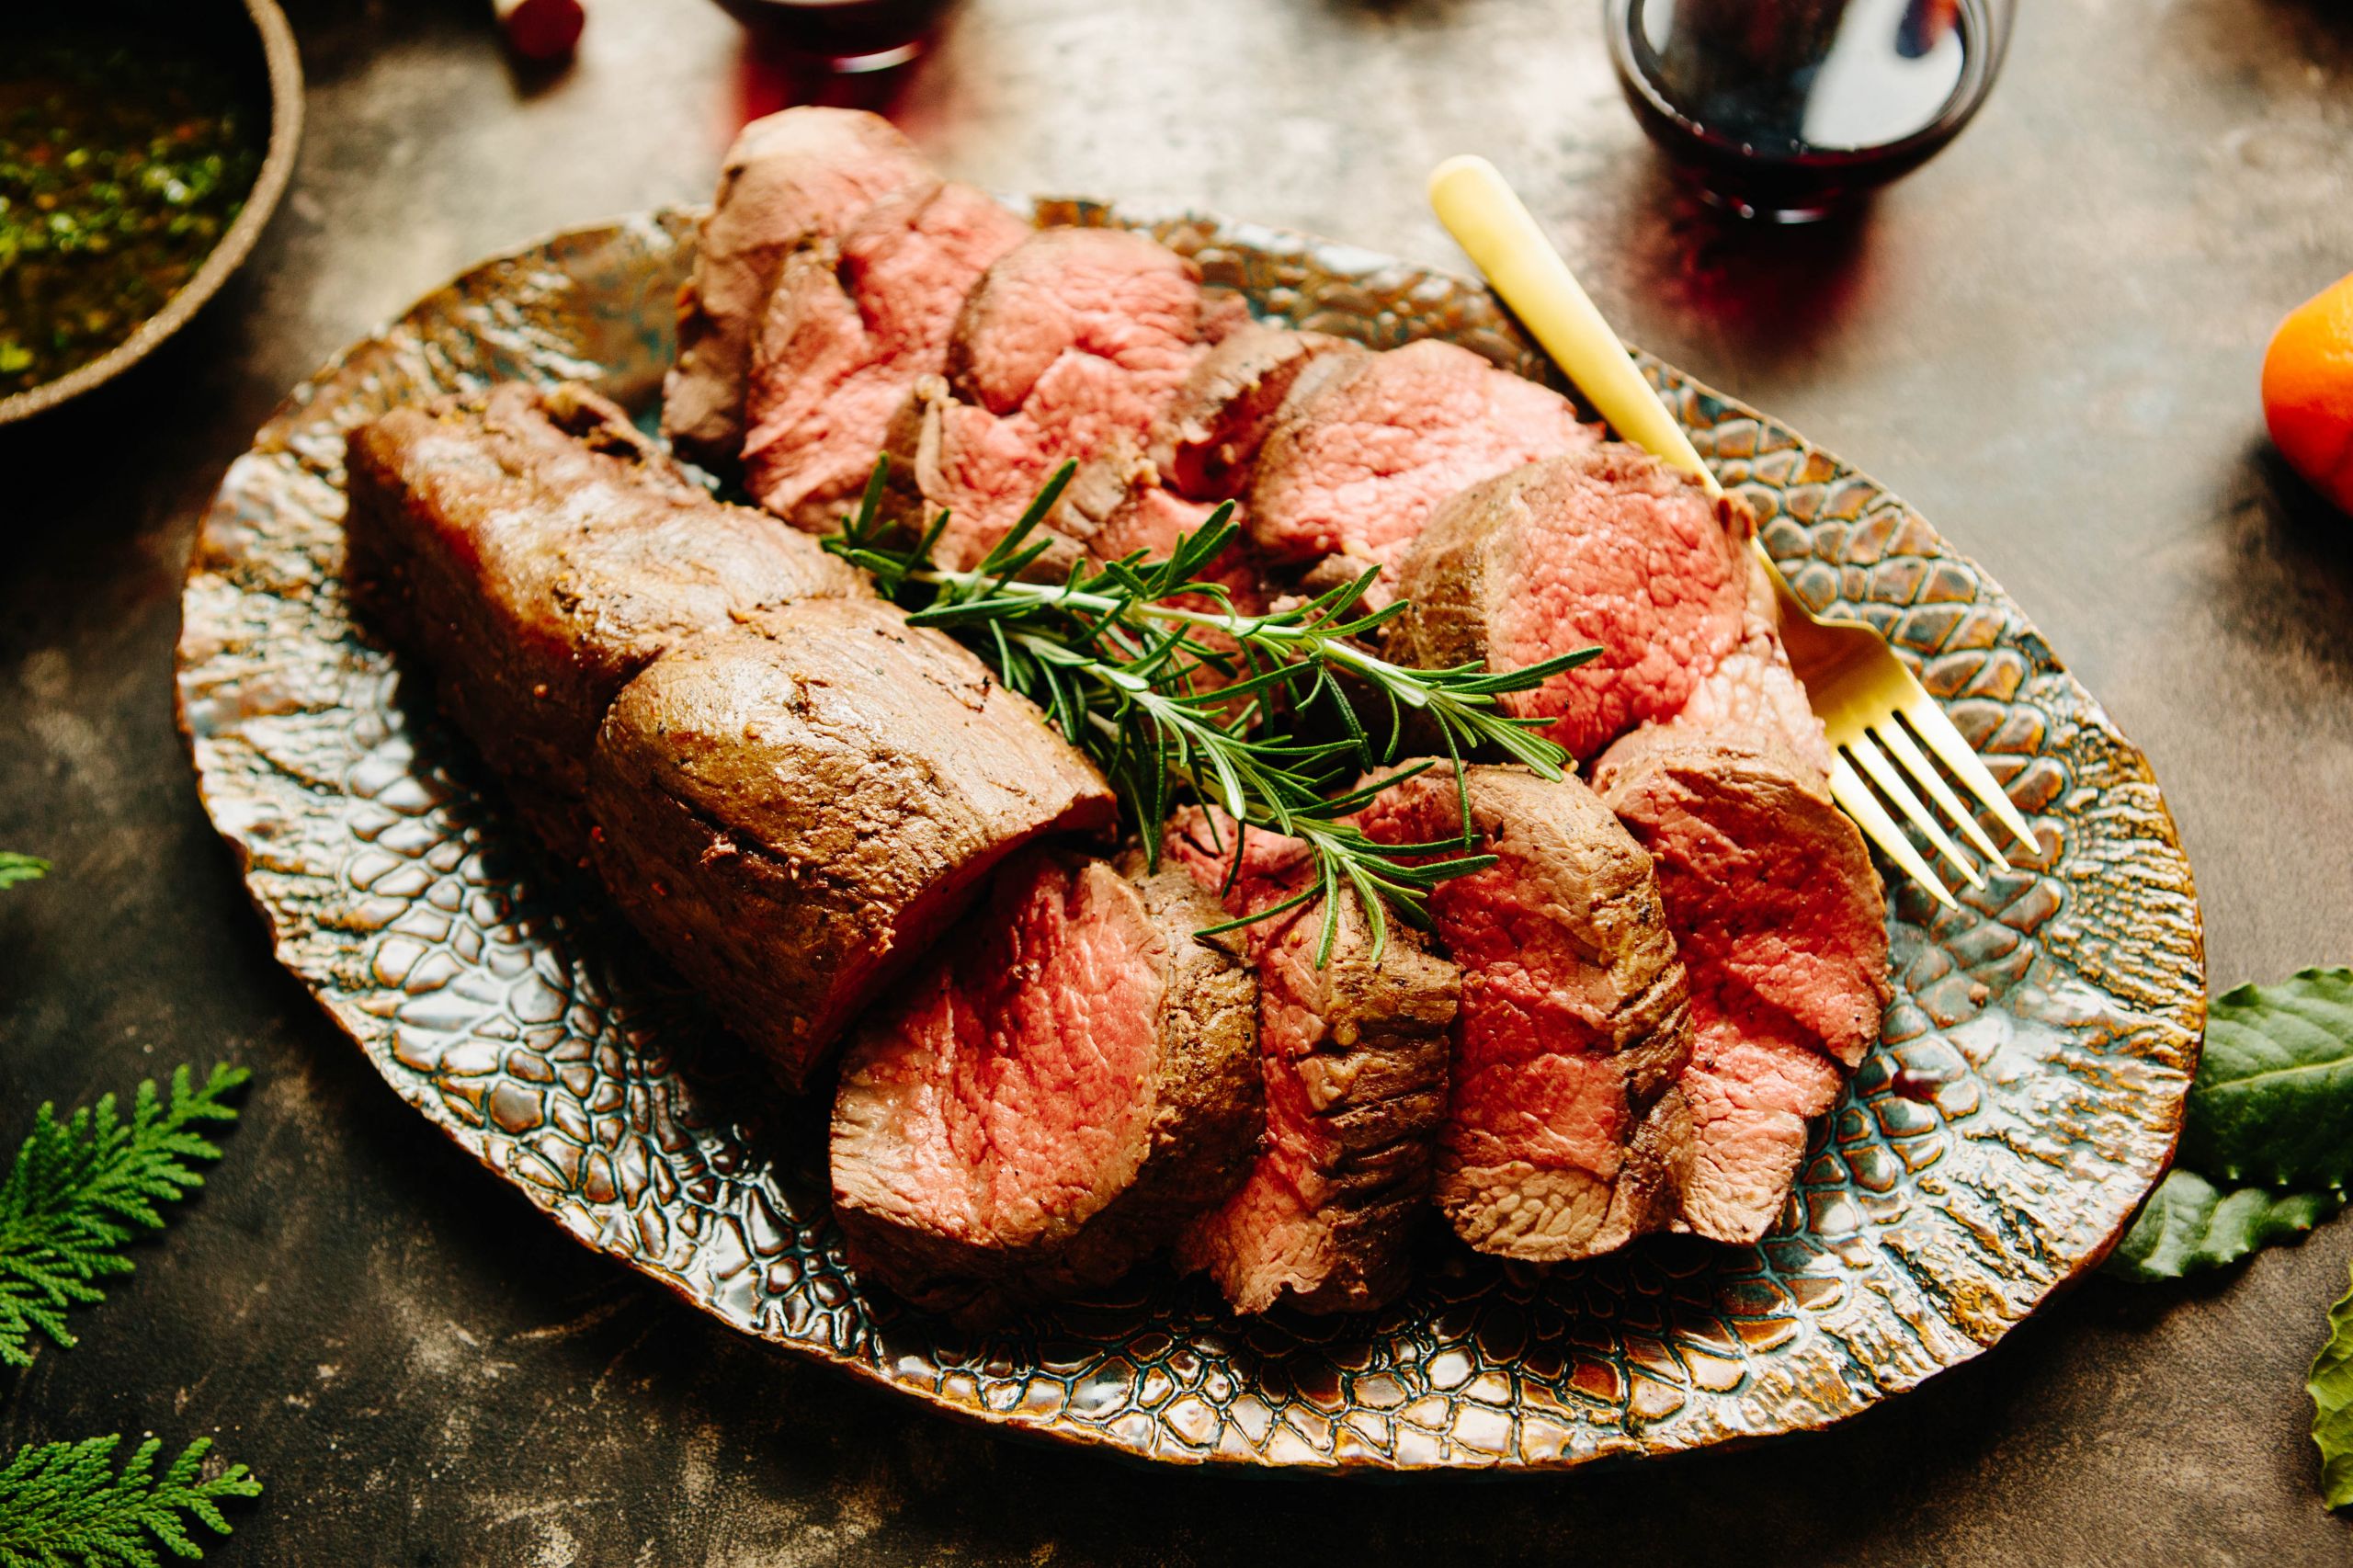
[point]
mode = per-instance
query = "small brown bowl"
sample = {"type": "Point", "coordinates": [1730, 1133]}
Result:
{"type": "Point", "coordinates": [275, 41]}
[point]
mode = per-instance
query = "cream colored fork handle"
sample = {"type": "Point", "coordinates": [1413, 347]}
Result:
{"type": "Point", "coordinates": [1490, 222]}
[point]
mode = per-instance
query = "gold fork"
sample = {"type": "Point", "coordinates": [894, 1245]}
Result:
{"type": "Point", "coordinates": [1869, 703]}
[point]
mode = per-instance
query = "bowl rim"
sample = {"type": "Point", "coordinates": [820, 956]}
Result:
{"type": "Point", "coordinates": [284, 64]}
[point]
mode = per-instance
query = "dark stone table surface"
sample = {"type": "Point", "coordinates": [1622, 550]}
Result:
{"type": "Point", "coordinates": [2047, 340]}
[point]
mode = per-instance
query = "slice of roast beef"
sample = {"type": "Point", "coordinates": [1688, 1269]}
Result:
{"type": "Point", "coordinates": [1356, 468]}
{"type": "Point", "coordinates": [790, 809]}
{"type": "Point", "coordinates": [793, 178]}
{"type": "Point", "coordinates": [1605, 546]}
{"type": "Point", "coordinates": [850, 330]}
{"type": "Point", "coordinates": [1781, 923]}
{"type": "Point", "coordinates": [1753, 698]}
{"type": "Point", "coordinates": [536, 552]}
{"type": "Point", "coordinates": [1209, 437]}
{"type": "Point", "coordinates": [1072, 346]}
{"type": "Point", "coordinates": [1565, 1136]}
{"type": "Point", "coordinates": [1355, 1057]}
{"type": "Point", "coordinates": [1057, 1090]}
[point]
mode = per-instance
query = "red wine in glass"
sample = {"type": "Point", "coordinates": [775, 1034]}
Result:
{"type": "Point", "coordinates": [1784, 109]}
{"type": "Point", "coordinates": [846, 35]}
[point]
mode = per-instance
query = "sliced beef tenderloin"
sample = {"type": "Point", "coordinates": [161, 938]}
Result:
{"type": "Point", "coordinates": [1354, 1053]}
{"type": "Point", "coordinates": [849, 331]}
{"type": "Point", "coordinates": [1356, 468]}
{"type": "Point", "coordinates": [1059, 1088]}
{"type": "Point", "coordinates": [1072, 346]}
{"type": "Point", "coordinates": [790, 810]}
{"type": "Point", "coordinates": [1606, 546]}
{"type": "Point", "coordinates": [791, 179]}
{"type": "Point", "coordinates": [1209, 437]}
{"type": "Point", "coordinates": [1781, 923]}
{"type": "Point", "coordinates": [1565, 1136]}
{"type": "Point", "coordinates": [1753, 698]}
{"type": "Point", "coordinates": [536, 552]}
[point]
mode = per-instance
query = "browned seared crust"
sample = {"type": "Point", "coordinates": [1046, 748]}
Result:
{"type": "Point", "coordinates": [536, 552]}
{"type": "Point", "coordinates": [1566, 949]}
{"type": "Point", "coordinates": [1210, 437]}
{"type": "Point", "coordinates": [790, 809]}
{"type": "Point", "coordinates": [792, 178]}
{"type": "Point", "coordinates": [1356, 1059]}
{"type": "Point", "coordinates": [1206, 1124]}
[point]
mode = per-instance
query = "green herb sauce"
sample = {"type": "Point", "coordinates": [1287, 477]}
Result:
{"type": "Point", "coordinates": [119, 173]}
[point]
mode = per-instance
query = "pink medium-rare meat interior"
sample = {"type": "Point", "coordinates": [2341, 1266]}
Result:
{"type": "Point", "coordinates": [1780, 920]}
{"type": "Point", "coordinates": [1357, 469]}
{"type": "Point", "coordinates": [1607, 547]}
{"type": "Point", "coordinates": [791, 179]}
{"type": "Point", "coordinates": [1561, 1139]}
{"type": "Point", "coordinates": [847, 336]}
{"type": "Point", "coordinates": [1071, 348]}
{"type": "Point", "coordinates": [1021, 1078]}
{"type": "Point", "coordinates": [1060, 1089]}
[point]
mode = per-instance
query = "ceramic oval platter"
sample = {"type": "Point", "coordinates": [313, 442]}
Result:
{"type": "Point", "coordinates": [2026, 1091]}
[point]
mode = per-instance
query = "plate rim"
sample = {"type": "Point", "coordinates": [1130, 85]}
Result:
{"type": "Point", "coordinates": [680, 219]}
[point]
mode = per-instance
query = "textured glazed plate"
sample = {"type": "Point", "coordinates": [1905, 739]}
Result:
{"type": "Point", "coordinates": [2026, 1094]}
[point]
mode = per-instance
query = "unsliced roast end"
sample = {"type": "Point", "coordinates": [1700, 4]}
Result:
{"type": "Point", "coordinates": [533, 550]}
{"type": "Point", "coordinates": [791, 811]}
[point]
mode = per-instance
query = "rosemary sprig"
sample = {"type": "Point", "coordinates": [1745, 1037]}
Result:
{"type": "Point", "coordinates": [1145, 665]}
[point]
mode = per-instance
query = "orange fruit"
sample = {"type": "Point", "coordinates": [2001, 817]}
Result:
{"type": "Point", "coordinates": [2308, 391]}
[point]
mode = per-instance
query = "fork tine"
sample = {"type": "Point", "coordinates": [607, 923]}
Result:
{"type": "Point", "coordinates": [1855, 797]}
{"type": "Point", "coordinates": [1891, 784]}
{"type": "Point", "coordinates": [1893, 736]}
{"type": "Point", "coordinates": [1948, 744]}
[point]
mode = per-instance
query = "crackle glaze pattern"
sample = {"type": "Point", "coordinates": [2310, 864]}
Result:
{"type": "Point", "coordinates": [2026, 1091]}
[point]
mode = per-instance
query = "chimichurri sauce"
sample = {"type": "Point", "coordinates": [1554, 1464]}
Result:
{"type": "Point", "coordinates": [119, 171]}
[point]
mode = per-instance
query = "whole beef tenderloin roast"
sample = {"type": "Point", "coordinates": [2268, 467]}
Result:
{"type": "Point", "coordinates": [791, 179]}
{"type": "Point", "coordinates": [849, 331]}
{"type": "Point", "coordinates": [1565, 1136]}
{"type": "Point", "coordinates": [790, 810]}
{"type": "Point", "coordinates": [1354, 1052]}
{"type": "Point", "coordinates": [1780, 920]}
{"type": "Point", "coordinates": [1064, 1084]}
{"type": "Point", "coordinates": [1072, 346]}
{"type": "Point", "coordinates": [1356, 467]}
{"type": "Point", "coordinates": [536, 552]}
{"type": "Point", "coordinates": [1606, 546]}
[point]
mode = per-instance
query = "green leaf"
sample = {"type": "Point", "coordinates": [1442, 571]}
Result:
{"type": "Point", "coordinates": [2188, 1226]}
{"type": "Point", "coordinates": [2273, 1103]}
{"type": "Point", "coordinates": [14, 869]}
{"type": "Point", "coordinates": [2331, 1385]}
{"type": "Point", "coordinates": [63, 1504]}
{"type": "Point", "coordinates": [81, 1188]}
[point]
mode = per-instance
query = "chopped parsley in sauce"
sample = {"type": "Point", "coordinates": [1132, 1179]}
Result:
{"type": "Point", "coordinates": [119, 171]}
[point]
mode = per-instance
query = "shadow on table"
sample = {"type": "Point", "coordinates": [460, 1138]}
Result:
{"type": "Point", "coordinates": [2286, 579]}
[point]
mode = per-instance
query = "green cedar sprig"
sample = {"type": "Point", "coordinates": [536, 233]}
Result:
{"type": "Point", "coordinates": [15, 867]}
{"type": "Point", "coordinates": [1145, 665]}
{"type": "Point", "coordinates": [65, 1505]}
{"type": "Point", "coordinates": [83, 1187]}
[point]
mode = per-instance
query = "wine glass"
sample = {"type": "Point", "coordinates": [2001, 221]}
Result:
{"type": "Point", "coordinates": [847, 37]}
{"type": "Point", "coordinates": [1787, 109]}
